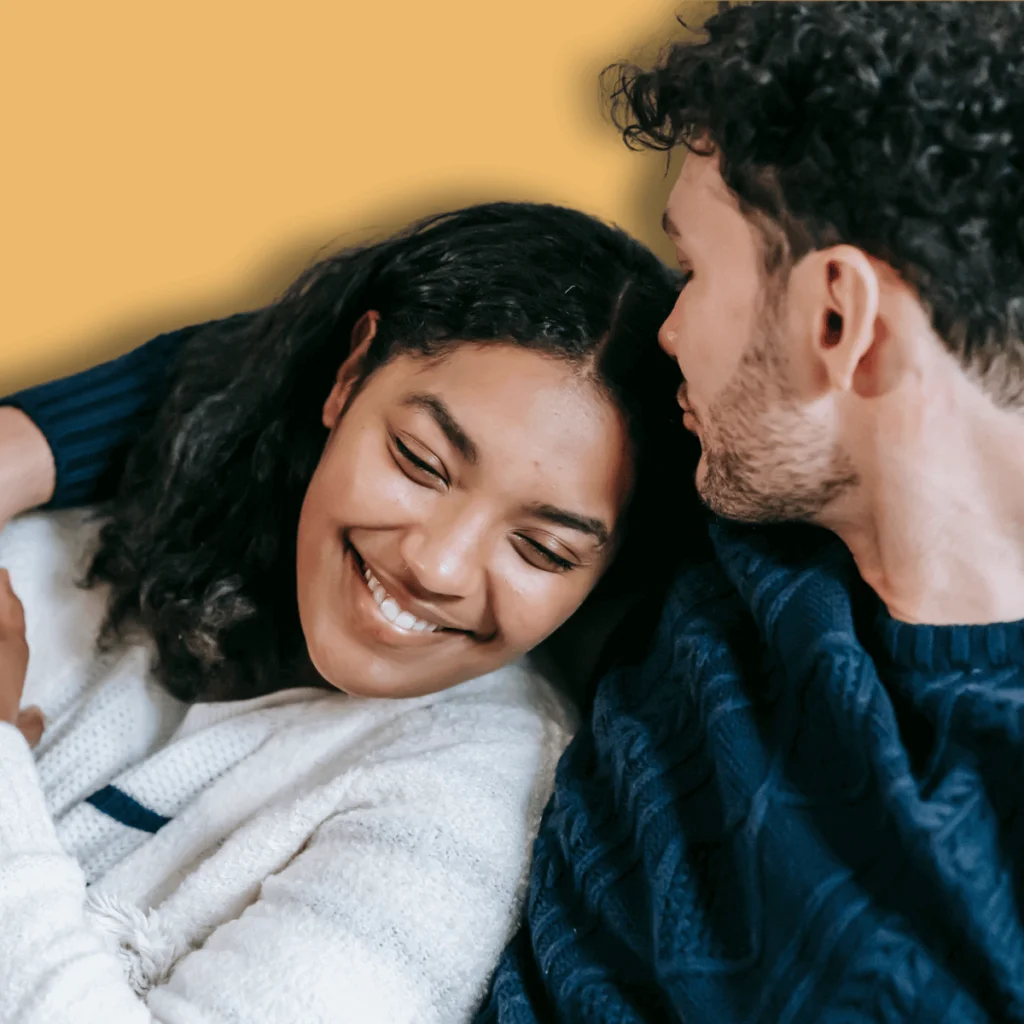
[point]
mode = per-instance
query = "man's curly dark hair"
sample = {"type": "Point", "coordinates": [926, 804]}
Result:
{"type": "Point", "coordinates": [894, 127]}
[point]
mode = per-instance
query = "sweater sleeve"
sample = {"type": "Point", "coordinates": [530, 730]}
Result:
{"type": "Point", "coordinates": [395, 910]}
{"type": "Point", "coordinates": [91, 419]}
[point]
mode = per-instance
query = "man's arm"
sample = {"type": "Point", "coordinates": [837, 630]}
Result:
{"type": "Point", "coordinates": [63, 443]}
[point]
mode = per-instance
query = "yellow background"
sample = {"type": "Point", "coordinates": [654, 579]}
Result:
{"type": "Point", "coordinates": [166, 163]}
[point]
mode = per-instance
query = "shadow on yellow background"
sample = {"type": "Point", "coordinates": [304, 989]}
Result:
{"type": "Point", "coordinates": [165, 165]}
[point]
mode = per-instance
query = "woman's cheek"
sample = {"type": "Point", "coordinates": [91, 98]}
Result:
{"type": "Point", "coordinates": [369, 485]}
{"type": "Point", "coordinates": [531, 604]}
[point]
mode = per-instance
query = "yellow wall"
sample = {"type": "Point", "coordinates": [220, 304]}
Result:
{"type": "Point", "coordinates": [163, 163]}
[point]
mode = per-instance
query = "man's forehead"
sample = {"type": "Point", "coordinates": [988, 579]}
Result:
{"type": "Point", "coordinates": [698, 189]}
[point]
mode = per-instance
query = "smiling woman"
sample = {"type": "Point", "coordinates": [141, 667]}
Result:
{"type": "Point", "coordinates": [425, 456]}
{"type": "Point", "coordinates": [435, 542]}
{"type": "Point", "coordinates": [392, 483]}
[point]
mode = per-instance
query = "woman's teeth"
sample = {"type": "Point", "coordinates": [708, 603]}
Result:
{"type": "Point", "coordinates": [392, 612]}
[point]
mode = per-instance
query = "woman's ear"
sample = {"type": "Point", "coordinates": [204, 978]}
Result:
{"type": "Point", "coordinates": [352, 369]}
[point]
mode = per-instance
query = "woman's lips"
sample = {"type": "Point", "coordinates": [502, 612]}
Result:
{"type": "Point", "coordinates": [393, 611]}
{"type": "Point", "coordinates": [380, 623]}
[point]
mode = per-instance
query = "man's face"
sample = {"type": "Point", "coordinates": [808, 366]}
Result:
{"type": "Point", "coordinates": [769, 451]}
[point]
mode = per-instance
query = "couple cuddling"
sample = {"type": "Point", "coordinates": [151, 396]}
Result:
{"type": "Point", "coordinates": [293, 762]}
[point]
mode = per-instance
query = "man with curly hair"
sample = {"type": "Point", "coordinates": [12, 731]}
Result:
{"type": "Point", "coordinates": [815, 777]}
{"type": "Point", "coordinates": [803, 804]}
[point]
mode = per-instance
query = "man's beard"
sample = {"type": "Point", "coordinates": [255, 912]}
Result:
{"type": "Point", "coordinates": [765, 459]}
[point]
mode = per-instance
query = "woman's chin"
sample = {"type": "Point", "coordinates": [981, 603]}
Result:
{"type": "Point", "coordinates": [358, 673]}
{"type": "Point", "coordinates": [358, 650]}
{"type": "Point", "coordinates": [361, 674]}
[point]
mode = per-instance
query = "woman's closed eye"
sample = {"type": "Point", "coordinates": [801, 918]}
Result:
{"type": "Point", "coordinates": [539, 555]}
{"type": "Point", "coordinates": [423, 467]}
{"type": "Point", "coordinates": [419, 465]}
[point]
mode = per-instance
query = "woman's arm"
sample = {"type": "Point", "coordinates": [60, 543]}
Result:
{"type": "Point", "coordinates": [62, 443]}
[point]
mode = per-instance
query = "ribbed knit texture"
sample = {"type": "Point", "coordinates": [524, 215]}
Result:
{"type": "Point", "coordinates": [795, 810]}
{"type": "Point", "coordinates": [92, 418]}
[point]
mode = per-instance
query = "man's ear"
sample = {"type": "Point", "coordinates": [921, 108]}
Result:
{"type": "Point", "coordinates": [846, 315]}
{"type": "Point", "coordinates": [351, 371]}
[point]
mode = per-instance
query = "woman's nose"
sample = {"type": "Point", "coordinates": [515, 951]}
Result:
{"type": "Point", "coordinates": [445, 554]}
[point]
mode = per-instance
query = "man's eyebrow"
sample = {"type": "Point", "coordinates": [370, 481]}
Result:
{"type": "Point", "coordinates": [584, 524]}
{"type": "Point", "coordinates": [449, 425]}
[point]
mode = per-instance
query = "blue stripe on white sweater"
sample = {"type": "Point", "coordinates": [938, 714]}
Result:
{"type": "Point", "coordinates": [117, 804]}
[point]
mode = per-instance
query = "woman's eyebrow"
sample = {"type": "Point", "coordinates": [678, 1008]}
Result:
{"type": "Point", "coordinates": [584, 524]}
{"type": "Point", "coordinates": [450, 427]}
{"type": "Point", "coordinates": [464, 445]}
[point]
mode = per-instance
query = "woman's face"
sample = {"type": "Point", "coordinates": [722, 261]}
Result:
{"type": "Point", "coordinates": [462, 510]}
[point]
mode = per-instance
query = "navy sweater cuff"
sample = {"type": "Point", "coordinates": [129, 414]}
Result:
{"type": "Point", "coordinates": [91, 418]}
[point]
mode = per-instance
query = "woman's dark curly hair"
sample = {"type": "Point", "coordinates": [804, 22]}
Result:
{"type": "Point", "coordinates": [200, 546]}
{"type": "Point", "coordinates": [894, 127]}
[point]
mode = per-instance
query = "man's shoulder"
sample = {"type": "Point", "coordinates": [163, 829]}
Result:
{"type": "Point", "coordinates": [752, 603]}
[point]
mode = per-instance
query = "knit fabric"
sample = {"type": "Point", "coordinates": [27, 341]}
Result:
{"type": "Point", "coordinates": [299, 857]}
{"type": "Point", "coordinates": [92, 418]}
{"type": "Point", "coordinates": [795, 810]}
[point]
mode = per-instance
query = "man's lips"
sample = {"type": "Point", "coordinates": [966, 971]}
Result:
{"type": "Point", "coordinates": [690, 421]}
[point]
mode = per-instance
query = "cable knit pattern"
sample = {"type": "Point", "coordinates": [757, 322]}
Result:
{"type": "Point", "coordinates": [795, 810]}
{"type": "Point", "coordinates": [300, 857]}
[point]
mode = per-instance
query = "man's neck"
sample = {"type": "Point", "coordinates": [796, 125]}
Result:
{"type": "Point", "coordinates": [937, 526]}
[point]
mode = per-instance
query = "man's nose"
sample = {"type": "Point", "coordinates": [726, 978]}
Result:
{"type": "Point", "coordinates": [668, 333]}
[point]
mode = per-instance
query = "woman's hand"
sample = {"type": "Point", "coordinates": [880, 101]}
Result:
{"type": "Point", "coordinates": [14, 664]}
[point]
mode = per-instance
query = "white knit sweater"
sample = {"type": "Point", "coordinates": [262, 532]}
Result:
{"type": "Point", "coordinates": [299, 858]}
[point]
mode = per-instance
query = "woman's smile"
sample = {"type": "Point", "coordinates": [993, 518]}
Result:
{"type": "Point", "coordinates": [388, 618]}
{"type": "Point", "coordinates": [435, 544]}
{"type": "Point", "coordinates": [393, 612]}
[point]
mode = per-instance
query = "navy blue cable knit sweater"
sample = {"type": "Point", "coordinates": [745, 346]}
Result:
{"type": "Point", "coordinates": [796, 809]}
